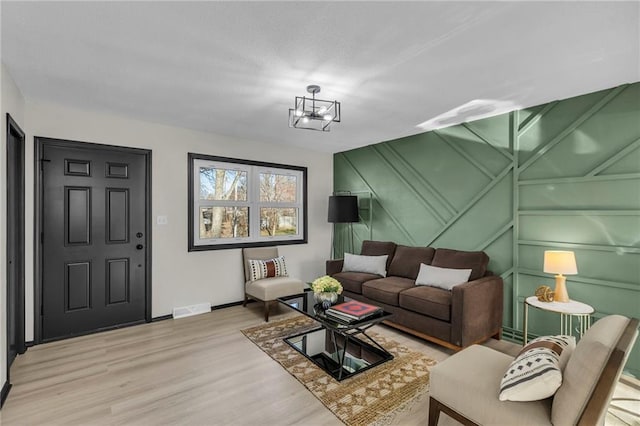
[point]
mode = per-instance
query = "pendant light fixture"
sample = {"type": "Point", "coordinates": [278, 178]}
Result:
{"type": "Point", "coordinates": [312, 113]}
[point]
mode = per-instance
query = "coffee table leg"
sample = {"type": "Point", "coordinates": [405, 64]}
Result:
{"type": "Point", "coordinates": [373, 341]}
{"type": "Point", "coordinates": [342, 355]}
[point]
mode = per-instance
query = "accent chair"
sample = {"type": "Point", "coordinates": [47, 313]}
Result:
{"type": "Point", "coordinates": [466, 386]}
{"type": "Point", "coordinates": [267, 290]}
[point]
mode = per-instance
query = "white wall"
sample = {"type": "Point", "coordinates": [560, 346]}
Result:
{"type": "Point", "coordinates": [12, 102]}
{"type": "Point", "coordinates": [178, 277]}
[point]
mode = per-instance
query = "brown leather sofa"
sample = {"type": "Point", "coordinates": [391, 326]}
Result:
{"type": "Point", "coordinates": [468, 314]}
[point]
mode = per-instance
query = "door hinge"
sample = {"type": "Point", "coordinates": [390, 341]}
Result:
{"type": "Point", "coordinates": [42, 161]}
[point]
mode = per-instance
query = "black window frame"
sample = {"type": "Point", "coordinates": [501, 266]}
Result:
{"type": "Point", "coordinates": [263, 241]}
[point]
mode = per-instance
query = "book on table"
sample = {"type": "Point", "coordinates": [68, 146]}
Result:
{"type": "Point", "coordinates": [352, 310]}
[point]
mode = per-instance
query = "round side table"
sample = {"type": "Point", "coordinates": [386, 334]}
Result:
{"type": "Point", "coordinates": [567, 311]}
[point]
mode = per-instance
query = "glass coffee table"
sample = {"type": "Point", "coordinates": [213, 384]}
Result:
{"type": "Point", "coordinates": [334, 345]}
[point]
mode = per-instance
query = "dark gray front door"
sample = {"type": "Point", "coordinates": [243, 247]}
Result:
{"type": "Point", "coordinates": [94, 239]}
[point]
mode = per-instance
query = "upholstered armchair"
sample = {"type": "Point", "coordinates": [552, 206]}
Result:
{"type": "Point", "coordinates": [267, 280]}
{"type": "Point", "coordinates": [466, 385]}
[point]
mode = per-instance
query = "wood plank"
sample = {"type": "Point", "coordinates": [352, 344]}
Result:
{"type": "Point", "coordinates": [195, 370]}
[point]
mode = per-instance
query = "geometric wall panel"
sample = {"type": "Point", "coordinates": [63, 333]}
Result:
{"type": "Point", "coordinates": [564, 176]}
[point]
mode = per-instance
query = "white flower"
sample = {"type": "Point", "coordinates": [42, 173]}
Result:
{"type": "Point", "coordinates": [326, 284]}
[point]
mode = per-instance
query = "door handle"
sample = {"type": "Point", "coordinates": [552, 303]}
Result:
{"type": "Point", "coordinates": [139, 247]}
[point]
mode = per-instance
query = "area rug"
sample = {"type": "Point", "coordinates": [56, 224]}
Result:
{"type": "Point", "coordinates": [373, 397]}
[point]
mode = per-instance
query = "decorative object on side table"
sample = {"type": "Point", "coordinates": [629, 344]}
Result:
{"type": "Point", "coordinates": [544, 293]}
{"type": "Point", "coordinates": [560, 262]}
{"type": "Point", "coordinates": [326, 290]}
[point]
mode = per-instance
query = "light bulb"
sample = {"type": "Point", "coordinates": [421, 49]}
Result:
{"type": "Point", "coordinates": [305, 119]}
{"type": "Point", "coordinates": [298, 113]}
{"type": "Point", "coordinates": [328, 117]}
{"type": "Point", "coordinates": [322, 110]}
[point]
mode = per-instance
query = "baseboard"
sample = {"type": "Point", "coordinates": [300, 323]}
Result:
{"type": "Point", "coordinates": [516, 336]}
{"type": "Point", "coordinates": [4, 393]}
{"type": "Point", "coordinates": [228, 305]}
{"type": "Point", "coordinates": [213, 308]}
{"type": "Point", "coordinates": [29, 344]}
{"type": "Point", "coordinates": [162, 318]}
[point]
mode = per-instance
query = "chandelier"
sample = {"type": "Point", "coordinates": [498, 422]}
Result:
{"type": "Point", "coordinates": [312, 113]}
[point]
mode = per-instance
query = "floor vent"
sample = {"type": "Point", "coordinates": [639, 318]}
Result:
{"type": "Point", "coordinates": [187, 311]}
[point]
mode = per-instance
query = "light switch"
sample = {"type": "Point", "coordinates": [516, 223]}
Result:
{"type": "Point", "coordinates": [162, 220]}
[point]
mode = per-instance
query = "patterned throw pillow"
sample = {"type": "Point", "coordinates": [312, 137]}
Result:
{"type": "Point", "coordinates": [260, 269]}
{"type": "Point", "coordinates": [536, 373]}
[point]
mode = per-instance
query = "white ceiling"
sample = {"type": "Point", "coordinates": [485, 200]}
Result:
{"type": "Point", "coordinates": [398, 68]}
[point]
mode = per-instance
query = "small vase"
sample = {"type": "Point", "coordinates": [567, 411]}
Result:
{"type": "Point", "coordinates": [326, 298]}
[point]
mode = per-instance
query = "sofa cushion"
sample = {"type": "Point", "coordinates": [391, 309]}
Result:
{"type": "Point", "coordinates": [406, 261]}
{"type": "Point", "coordinates": [368, 264]}
{"type": "Point", "coordinates": [469, 382]}
{"type": "Point", "coordinates": [379, 248]}
{"type": "Point", "coordinates": [444, 278]}
{"type": "Point", "coordinates": [386, 290]}
{"type": "Point", "coordinates": [477, 261]}
{"type": "Point", "coordinates": [431, 301]}
{"type": "Point", "coordinates": [352, 281]}
{"type": "Point", "coordinates": [584, 368]}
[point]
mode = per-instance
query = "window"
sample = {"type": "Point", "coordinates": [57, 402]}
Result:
{"type": "Point", "coordinates": [240, 203]}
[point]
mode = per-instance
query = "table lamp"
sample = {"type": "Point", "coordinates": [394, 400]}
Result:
{"type": "Point", "coordinates": [560, 262]}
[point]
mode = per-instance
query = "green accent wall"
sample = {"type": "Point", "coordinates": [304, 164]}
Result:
{"type": "Point", "coordinates": [559, 176]}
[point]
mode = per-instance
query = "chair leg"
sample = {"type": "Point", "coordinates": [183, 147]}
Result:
{"type": "Point", "coordinates": [434, 412]}
{"type": "Point", "coordinates": [246, 299]}
{"type": "Point", "coordinates": [266, 310]}
{"type": "Point", "coordinates": [435, 407]}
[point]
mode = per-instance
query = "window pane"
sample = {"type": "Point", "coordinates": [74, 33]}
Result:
{"type": "Point", "coordinates": [275, 222]}
{"type": "Point", "coordinates": [223, 184]}
{"type": "Point", "coordinates": [278, 188]}
{"type": "Point", "coordinates": [224, 222]}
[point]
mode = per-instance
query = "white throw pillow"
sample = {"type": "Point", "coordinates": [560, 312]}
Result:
{"type": "Point", "coordinates": [369, 264]}
{"type": "Point", "coordinates": [442, 277]}
{"type": "Point", "coordinates": [536, 373]}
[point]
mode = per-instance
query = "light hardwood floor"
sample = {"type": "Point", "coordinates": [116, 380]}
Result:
{"type": "Point", "coordinates": [196, 371]}
{"type": "Point", "coordinates": [192, 371]}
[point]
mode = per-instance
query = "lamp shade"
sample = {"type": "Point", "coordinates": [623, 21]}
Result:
{"type": "Point", "coordinates": [560, 262]}
{"type": "Point", "coordinates": [343, 209]}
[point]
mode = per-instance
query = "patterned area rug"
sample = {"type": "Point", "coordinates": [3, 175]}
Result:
{"type": "Point", "coordinates": [372, 397]}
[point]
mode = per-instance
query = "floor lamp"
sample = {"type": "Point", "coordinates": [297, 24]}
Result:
{"type": "Point", "coordinates": [342, 209]}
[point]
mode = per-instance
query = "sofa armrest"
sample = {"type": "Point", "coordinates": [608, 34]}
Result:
{"type": "Point", "coordinates": [476, 310]}
{"type": "Point", "coordinates": [334, 266]}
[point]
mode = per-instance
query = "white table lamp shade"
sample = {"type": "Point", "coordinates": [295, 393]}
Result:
{"type": "Point", "coordinates": [560, 262]}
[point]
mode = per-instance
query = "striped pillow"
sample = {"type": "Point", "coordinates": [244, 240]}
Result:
{"type": "Point", "coordinates": [536, 373]}
{"type": "Point", "coordinates": [269, 268]}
